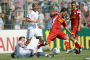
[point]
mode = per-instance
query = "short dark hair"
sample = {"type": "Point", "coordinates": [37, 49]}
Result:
{"type": "Point", "coordinates": [73, 2]}
{"type": "Point", "coordinates": [63, 9]}
{"type": "Point", "coordinates": [21, 37]}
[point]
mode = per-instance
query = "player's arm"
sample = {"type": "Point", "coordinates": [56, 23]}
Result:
{"type": "Point", "coordinates": [20, 44]}
{"type": "Point", "coordinates": [68, 30]}
{"type": "Point", "coordinates": [34, 21]}
{"type": "Point", "coordinates": [79, 21]}
{"type": "Point", "coordinates": [29, 16]}
{"type": "Point", "coordinates": [65, 25]}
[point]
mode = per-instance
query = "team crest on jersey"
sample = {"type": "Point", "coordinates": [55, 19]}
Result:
{"type": "Point", "coordinates": [60, 20]}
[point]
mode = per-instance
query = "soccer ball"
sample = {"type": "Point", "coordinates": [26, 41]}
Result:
{"type": "Point", "coordinates": [56, 50]}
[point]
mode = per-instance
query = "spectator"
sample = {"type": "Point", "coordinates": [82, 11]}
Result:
{"type": "Point", "coordinates": [83, 20]}
{"type": "Point", "coordinates": [0, 9]}
{"type": "Point", "coordinates": [67, 17]}
{"type": "Point", "coordinates": [19, 14]}
{"type": "Point", "coordinates": [1, 23]}
{"type": "Point", "coordinates": [11, 18]}
{"type": "Point", "coordinates": [12, 6]}
{"type": "Point", "coordinates": [88, 20]}
{"type": "Point", "coordinates": [41, 16]}
{"type": "Point", "coordinates": [5, 5]}
{"type": "Point", "coordinates": [82, 8]}
{"type": "Point", "coordinates": [48, 21]}
{"type": "Point", "coordinates": [19, 3]}
{"type": "Point", "coordinates": [69, 8]}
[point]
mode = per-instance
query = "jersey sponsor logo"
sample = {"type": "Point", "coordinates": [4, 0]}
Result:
{"type": "Point", "coordinates": [60, 20]}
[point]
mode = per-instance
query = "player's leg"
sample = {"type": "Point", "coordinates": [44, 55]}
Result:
{"type": "Point", "coordinates": [19, 53]}
{"type": "Point", "coordinates": [41, 41]}
{"type": "Point", "coordinates": [43, 54]}
{"type": "Point", "coordinates": [40, 54]}
{"type": "Point", "coordinates": [74, 30]}
{"type": "Point", "coordinates": [77, 44]}
{"type": "Point", "coordinates": [30, 34]}
{"type": "Point", "coordinates": [14, 53]}
{"type": "Point", "coordinates": [26, 52]}
{"type": "Point", "coordinates": [74, 39]}
{"type": "Point", "coordinates": [62, 35]}
{"type": "Point", "coordinates": [39, 36]}
{"type": "Point", "coordinates": [51, 37]}
{"type": "Point", "coordinates": [67, 43]}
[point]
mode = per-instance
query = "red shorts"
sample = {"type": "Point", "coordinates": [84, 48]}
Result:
{"type": "Point", "coordinates": [75, 31]}
{"type": "Point", "coordinates": [55, 34]}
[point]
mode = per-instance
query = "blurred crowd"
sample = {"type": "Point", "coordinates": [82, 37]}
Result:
{"type": "Point", "coordinates": [13, 12]}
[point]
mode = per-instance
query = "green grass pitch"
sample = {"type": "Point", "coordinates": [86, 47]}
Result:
{"type": "Point", "coordinates": [61, 56]}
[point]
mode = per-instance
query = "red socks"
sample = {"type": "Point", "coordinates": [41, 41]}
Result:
{"type": "Point", "coordinates": [67, 44]}
{"type": "Point", "coordinates": [77, 45]}
{"type": "Point", "coordinates": [40, 44]}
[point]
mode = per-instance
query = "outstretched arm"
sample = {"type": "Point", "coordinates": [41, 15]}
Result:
{"type": "Point", "coordinates": [68, 30]}
{"type": "Point", "coordinates": [34, 21]}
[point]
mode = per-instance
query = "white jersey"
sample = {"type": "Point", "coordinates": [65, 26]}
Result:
{"type": "Point", "coordinates": [17, 47]}
{"type": "Point", "coordinates": [33, 16]}
{"type": "Point", "coordinates": [22, 52]}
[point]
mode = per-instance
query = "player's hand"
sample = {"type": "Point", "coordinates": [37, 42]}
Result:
{"type": "Point", "coordinates": [27, 19]}
{"type": "Point", "coordinates": [78, 29]}
{"type": "Point", "coordinates": [37, 21]}
{"type": "Point", "coordinates": [72, 34]}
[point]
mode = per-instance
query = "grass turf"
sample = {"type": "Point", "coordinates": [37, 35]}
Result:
{"type": "Point", "coordinates": [61, 56]}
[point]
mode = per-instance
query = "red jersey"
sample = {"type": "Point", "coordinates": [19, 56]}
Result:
{"type": "Point", "coordinates": [55, 30]}
{"type": "Point", "coordinates": [75, 16]}
{"type": "Point", "coordinates": [57, 22]}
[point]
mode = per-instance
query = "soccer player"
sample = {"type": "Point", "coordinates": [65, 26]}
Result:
{"type": "Point", "coordinates": [20, 50]}
{"type": "Point", "coordinates": [33, 28]}
{"type": "Point", "coordinates": [75, 18]}
{"type": "Point", "coordinates": [55, 31]}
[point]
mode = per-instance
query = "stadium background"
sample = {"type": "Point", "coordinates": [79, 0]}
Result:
{"type": "Point", "coordinates": [11, 28]}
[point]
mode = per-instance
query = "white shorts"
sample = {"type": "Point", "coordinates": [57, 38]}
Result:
{"type": "Point", "coordinates": [34, 33]}
{"type": "Point", "coordinates": [23, 52]}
